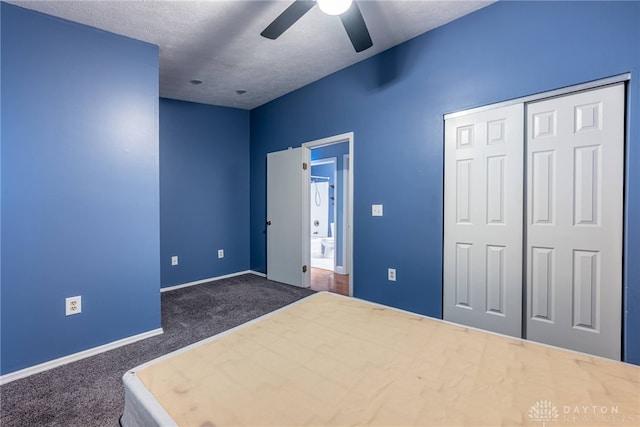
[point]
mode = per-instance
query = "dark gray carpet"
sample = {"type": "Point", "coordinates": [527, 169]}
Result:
{"type": "Point", "coordinates": [89, 392]}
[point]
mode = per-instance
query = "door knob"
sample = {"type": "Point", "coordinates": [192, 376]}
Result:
{"type": "Point", "coordinates": [268, 222]}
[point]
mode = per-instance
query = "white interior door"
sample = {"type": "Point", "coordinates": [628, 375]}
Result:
{"type": "Point", "coordinates": [286, 225]}
{"type": "Point", "coordinates": [575, 164]}
{"type": "Point", "coordinates": [483, 219]}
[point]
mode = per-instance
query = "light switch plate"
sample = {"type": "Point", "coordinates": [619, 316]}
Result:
{"type": "Point", "coordinates": [376, 210]}
{"type": "Point", "coordinates": [174, 260]}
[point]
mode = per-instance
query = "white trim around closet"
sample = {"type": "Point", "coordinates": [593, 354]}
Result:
{"type": "Point", "coordinates": [543, 95]}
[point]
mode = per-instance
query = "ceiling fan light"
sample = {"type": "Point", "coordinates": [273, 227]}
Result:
{"type": "Point", "coordinates": [334, 7]}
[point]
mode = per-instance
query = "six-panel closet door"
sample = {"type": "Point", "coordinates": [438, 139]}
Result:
{"type": "Point", "coordinates": [483, 220]}
{"type": "Point", "coordinates": [575, 166]}
{"type": "Point", "coordinates": [565, 166]}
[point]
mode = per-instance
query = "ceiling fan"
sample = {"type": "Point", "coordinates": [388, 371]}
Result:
{"type": "Point", "coordinates": [348, 11]}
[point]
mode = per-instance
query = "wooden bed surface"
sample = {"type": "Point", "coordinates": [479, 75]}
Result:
{"type": "Point", "coordinates": [334, 361]}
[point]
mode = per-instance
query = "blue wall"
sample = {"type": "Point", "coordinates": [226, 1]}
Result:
{"type": "Point", "coordinates": [80, 211]}
{"type": "Point", "coordinates": [204, 190]}
{"type": "Point", "coordinates": [80, 198]}
{"type": "Point", "coordinates": [395, 102]}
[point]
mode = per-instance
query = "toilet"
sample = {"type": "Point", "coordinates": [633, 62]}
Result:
{"type": "Point", "coordinates": [316, 247]}
{"type": "Point", "coordinates": [328, 243]}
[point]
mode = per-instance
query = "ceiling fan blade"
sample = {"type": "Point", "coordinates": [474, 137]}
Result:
{"type": "Point", "coordinates": [287, 18]}
{"type": "Point", "coordinates": [356, 28]}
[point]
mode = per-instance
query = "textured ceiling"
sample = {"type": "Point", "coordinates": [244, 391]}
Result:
{"type": "Point", "coordinates": [219, 42]}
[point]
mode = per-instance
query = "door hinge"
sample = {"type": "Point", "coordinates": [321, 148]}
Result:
{"type": "Point", "coordinates": [304, 268]}
{"type": "Point", "coordinates": [304, 166]}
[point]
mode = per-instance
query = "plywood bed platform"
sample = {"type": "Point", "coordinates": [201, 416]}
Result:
{"type": "Point", "coordinates": [329, 360]}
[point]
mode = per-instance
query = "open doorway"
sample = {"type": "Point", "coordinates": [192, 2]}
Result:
{"type": "Point", "coordinates": [323, 211]}
{"type": "Point", "coordinates": [330, 220]}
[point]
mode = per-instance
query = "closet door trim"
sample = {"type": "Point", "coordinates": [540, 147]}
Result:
{"type": "Point", "coordinates": [544, 95]}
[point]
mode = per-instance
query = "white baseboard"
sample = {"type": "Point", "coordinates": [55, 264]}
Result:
{"type": "Point", "coordinates": [211, 279]}
{"type": "Point", "coordinates": [340, 270]}
{"type": "Point", "coordinates": [257, 273]}
{"type": "Point", "coordinates": [23, 373]}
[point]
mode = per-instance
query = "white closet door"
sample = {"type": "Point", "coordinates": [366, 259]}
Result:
{"type": "Point", "coordinates": [483, 220]}
{"type": "Point", "coordinates": [575, 170]}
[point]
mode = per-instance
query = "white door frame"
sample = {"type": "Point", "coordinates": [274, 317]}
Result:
{"type": "Point", "coordinates": [346, 210]}
{"type": "Point", "coordinates": [348, 229]}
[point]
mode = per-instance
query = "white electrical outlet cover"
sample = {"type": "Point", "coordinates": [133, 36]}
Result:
{"type": "Point", "coordinates": [73, 305]}
{"type": "Point", "coordinates": [220, 253]}
{"type": "Point", "coordinates": [376, 210]}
